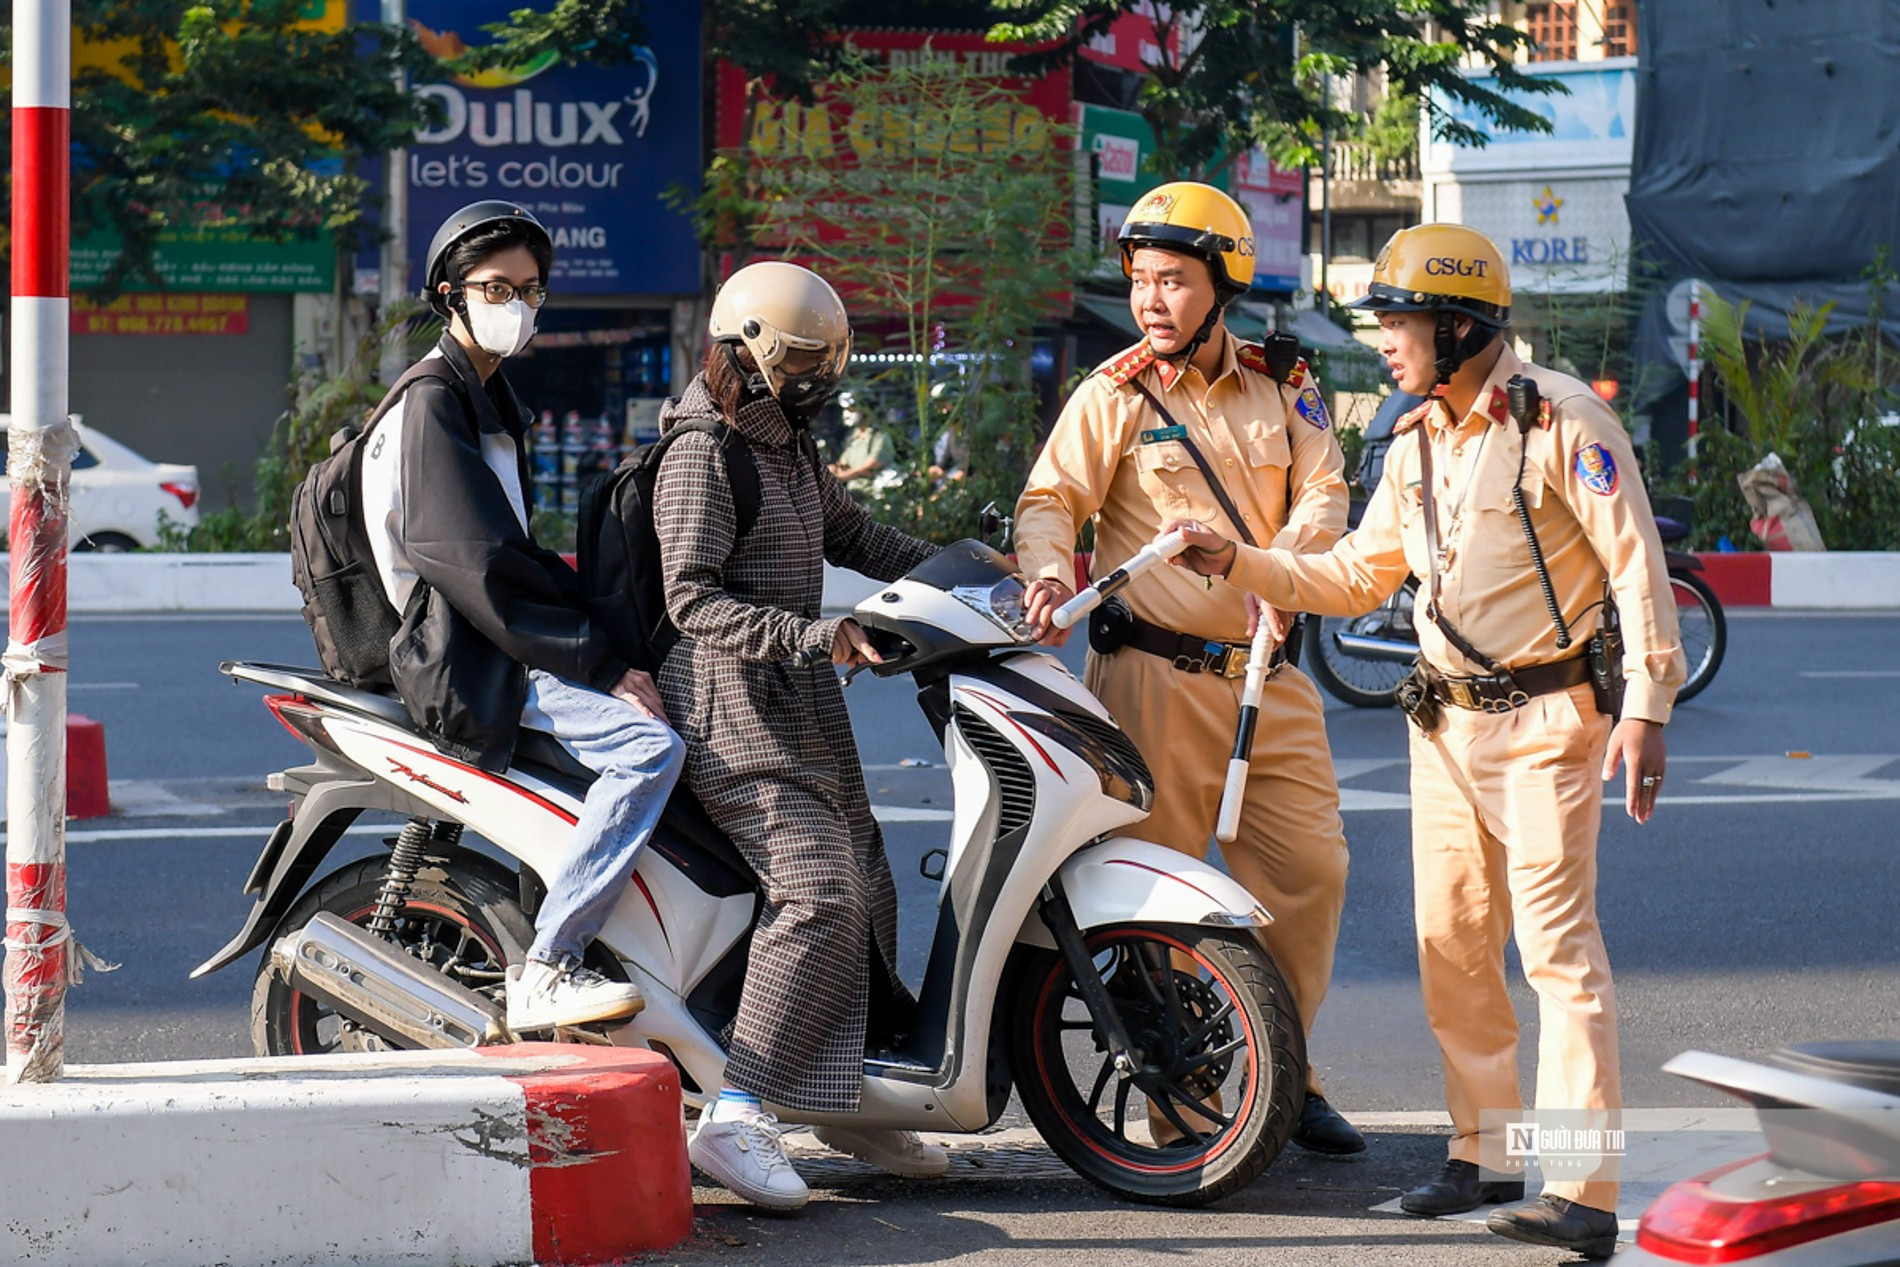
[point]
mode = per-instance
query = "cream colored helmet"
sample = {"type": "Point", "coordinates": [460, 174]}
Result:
{"type": "Point", "coordinates": [773, 308]}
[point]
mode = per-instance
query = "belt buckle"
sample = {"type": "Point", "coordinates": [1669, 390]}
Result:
{"type": "Point", "coordinates": [1460, 693]}
{"type": "Point", "coordinates": [1235, 662]}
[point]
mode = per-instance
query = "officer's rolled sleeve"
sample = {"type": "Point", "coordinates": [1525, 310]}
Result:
{"type": "Point", "coordinates": [1361, 571]}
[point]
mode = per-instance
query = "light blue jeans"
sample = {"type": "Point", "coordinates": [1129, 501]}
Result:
{"type": "Point", "coordinates": [638, 759]}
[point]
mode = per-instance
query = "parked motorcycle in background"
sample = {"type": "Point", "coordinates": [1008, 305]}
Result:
{"type": "Point", "coordinates": [1360, 660]}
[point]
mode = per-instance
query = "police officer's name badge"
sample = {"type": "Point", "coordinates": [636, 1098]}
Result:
{"type": "Point", "coordinates": [1309, 406]}
{"type": "Point", "coordinates": [1596, 468]}
{"type": "Point", "coordinates": [1161, 434]}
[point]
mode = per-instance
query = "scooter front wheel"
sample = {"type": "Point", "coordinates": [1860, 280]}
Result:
{"type": "Point", "coordinates": [1218, 1062]}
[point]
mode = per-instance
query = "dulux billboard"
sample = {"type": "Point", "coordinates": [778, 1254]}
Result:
{"type": "Point", "coordinates": [588, 150]}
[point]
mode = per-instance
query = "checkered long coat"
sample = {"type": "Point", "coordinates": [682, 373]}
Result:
{"type": "Point", "coordinates": [768, 745]}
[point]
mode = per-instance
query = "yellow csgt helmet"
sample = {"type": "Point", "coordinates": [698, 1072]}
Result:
{"type": "Point", "coordinates": [1199, 220]}
{"type": "Point", "coordinates": [1441, 266]}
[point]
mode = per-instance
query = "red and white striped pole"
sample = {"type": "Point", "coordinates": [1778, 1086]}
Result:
{"type": "Point", "coordinates": [1695, 370]}
{"type": "Point", "coordinates": [40, 953]}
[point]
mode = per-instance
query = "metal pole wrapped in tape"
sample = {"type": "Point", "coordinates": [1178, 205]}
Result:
{"type": "Point", "coordinates": [40, 448]}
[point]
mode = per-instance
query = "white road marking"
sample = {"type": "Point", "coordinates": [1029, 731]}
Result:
{"type": "Point", "coordinates": [1853, 673]}
{"type": "Point", "coordinates": [103, 686]}
{"type": "Point", "coordinates": [1812, 774]}
{"type": "Point", "coordinates": [260, 831]}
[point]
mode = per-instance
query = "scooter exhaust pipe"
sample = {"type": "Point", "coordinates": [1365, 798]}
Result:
{"type": "Point", "coordinates": [1388, 649]}
{"type": "Point", "coordinates": [378, 986]}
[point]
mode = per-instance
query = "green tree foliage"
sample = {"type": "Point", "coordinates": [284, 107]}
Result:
{"type": "Point", "coordinates": [242, 114]}
{"type": "Point", "coordinates": [1233, 74]}
{"type": "Point", "coordinates": [1815, 400]}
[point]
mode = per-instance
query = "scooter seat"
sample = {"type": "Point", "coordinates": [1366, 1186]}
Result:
{"type": "Point", "coordinates": [687, 836]}
{"type": "Point", "coordinates": [1871, 1064]}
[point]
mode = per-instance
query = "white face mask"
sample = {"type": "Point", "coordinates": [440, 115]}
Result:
{"type": "Point", "coordinates": [503, 329]}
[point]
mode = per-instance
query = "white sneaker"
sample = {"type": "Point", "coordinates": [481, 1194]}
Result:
{"type": "Point", "coordinates": [746, 1155]}
{"type": "Point", "coordinates": [546, 995]}
{"type": "Point", "coordinates": [898, 1152]}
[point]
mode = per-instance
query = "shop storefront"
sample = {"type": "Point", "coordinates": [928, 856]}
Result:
{"type": "Point", "coordinates": [592, 153]}
{"type": "Point", "coordinates": [1553, 202]}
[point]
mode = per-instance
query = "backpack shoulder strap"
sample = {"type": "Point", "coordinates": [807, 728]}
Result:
{"type": "Point", "coordinates": [742, 469]}
{"type": "Point", "coordinates": [420, 370]}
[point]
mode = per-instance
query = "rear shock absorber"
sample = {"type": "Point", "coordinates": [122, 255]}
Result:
{"type": "Point", "coordinates": [405, 860]}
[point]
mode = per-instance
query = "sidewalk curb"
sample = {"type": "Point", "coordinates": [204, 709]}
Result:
{"type": "Point", "coordinates": [542, 1152]}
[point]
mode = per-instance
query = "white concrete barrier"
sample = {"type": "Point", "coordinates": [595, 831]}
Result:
{"type": "Point", "coordinates": [123, 584]}
{"type": "Point", "coordinates": [538, 1153]}
{"type": "Point", "coordinates": [1835, 581]}
{"type": "Point", "coordinates": [109, 584]}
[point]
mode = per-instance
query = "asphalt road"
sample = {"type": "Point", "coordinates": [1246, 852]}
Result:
{"type": "Point", "coordinates": [1754, 911]}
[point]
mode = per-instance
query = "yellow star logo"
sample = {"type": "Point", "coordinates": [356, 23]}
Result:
{"type": "Point", "coordinates": [1546, 204]}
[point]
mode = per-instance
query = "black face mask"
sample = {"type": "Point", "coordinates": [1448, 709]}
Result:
{"type": "Point", "coordinates": [801, 396]}
{"type": "Point", "coordinates": [806, 394]}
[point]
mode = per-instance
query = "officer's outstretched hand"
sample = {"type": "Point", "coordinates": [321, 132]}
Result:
{"type": "Point", "coordinates": [1207, 554]}
{"type": "Point", "coordinates": [1039, 606]}
{"type": "Point", "coordinates": [1637, 744]}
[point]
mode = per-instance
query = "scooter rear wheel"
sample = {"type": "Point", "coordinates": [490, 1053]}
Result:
{"type": "Point", "coordinates": [1218, 1050]}
{"type": "Point", "coordinates": [459, 920]}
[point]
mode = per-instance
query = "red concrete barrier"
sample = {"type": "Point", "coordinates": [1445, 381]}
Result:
{"type": "Point", "coordinates": [86, 790]}
{"type": "Point", "coordinates": [1739, 579]}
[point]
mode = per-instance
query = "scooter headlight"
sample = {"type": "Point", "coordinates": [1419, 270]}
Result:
{"type": "Point", "coordinates": [1001, 602]}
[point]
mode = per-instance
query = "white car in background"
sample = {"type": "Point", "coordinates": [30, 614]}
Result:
{"type": "Point", "coordinates": [117, 494]}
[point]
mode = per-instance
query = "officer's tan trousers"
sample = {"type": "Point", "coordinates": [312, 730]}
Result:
{"type": "Point", "coordinates": [1505, 811]}
{"type": "Point", "coordinates": [1291, 850]}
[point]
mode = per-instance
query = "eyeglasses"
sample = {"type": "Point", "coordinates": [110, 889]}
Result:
{"type": "Point", "coordinates": [496, 291]}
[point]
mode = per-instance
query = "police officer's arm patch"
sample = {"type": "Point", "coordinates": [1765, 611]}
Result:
{"type": "Point", "coordinates": [1596, 468]}
{"type": "Point", "coordinates": [1309, 406]}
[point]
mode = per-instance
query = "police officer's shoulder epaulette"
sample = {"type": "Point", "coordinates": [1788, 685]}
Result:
{"type": "Point", "coordinates": [1412, 419]}
{"type": "Point", "coordinates": [1125, 367]}
{"type": "Point", "coordinates": [1277, 356]}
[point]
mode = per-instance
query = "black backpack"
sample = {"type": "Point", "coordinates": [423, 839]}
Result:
{"type": "Point", "coordinates": [619, 548]}
{"type": "Point", "coordinates": [344, 602]}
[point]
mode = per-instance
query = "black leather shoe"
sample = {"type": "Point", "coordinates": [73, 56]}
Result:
{"type": "Point", "coordinates": [1322, 1129]}
{"type": "Point", "coordinates": [1458, 1188]}
{"type": "Point", "coordinates": [1562, 1224]}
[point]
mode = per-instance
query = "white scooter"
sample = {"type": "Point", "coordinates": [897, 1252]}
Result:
{"type": "Point", "coordinates": [1121, 987]}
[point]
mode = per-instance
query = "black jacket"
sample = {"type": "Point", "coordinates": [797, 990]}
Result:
{"type": "Point", "coordinates": [489, 603]}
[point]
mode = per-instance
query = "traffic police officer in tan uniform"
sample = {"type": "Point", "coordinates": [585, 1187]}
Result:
{"type": "Point", "coordinates": [1514, 737]}
{"type": "Point", "coordinates": [1128, 452]}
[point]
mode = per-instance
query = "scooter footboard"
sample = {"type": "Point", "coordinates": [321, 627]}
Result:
{"type": "Point", "coordinates": [1125, 881]}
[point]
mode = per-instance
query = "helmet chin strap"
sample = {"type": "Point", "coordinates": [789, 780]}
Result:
{"type": "Point", "coordinates": [1186, 355]}
{"type": "Point", "coordinates": [756, 384]}
{"type": "Point", "coordinates": [1452, 352]}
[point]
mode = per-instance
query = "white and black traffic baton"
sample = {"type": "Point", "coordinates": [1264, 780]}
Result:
{"type": "Point", "coordinates": [1231, 797]}
{"type": "Point", "coordinates": [1155, 553]}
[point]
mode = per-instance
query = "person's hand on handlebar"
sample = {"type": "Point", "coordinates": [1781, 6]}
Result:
{"type": "Point", "coordinates": [1039, 606]}
{"type": "Point", "coordinates": [851, 647]}
{"type": "Point", "coordinates": [1207, 554]}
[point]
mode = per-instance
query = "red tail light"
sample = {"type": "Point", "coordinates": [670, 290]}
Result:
{"type": "Point", "coordinates": [301, 718]}
{"type": "Point", "coordinates": [1692, 1223]}
{"type": "Point", "coordinates": [187, 494]}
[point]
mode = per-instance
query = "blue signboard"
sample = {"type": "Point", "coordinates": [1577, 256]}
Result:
{"type": "Point", "coordinates": [588, 150]}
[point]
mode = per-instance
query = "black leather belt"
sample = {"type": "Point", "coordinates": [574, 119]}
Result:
{"type": "Point", "coordinates": [1199, 655]}
{"type": "Point", "coordinates": [1504, 692]}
